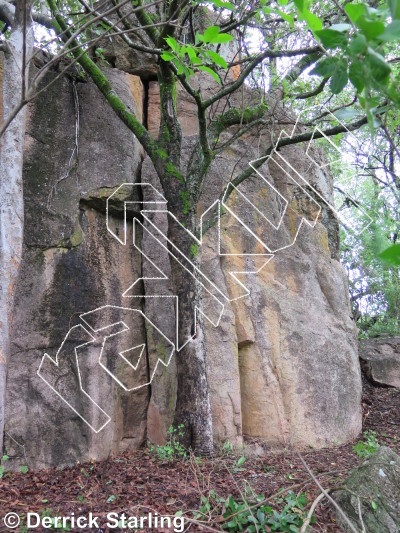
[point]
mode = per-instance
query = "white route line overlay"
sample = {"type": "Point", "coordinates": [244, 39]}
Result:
{"type": "Point", "coordinates": [164, 242]}
{"type": "Point", "coordinates": [56, 360]}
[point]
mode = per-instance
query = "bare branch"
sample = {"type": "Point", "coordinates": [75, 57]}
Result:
{"type": "Point", "coordinates": [296, 139]}
{"type": "Point", "coordinates": [314, 92]}
{"type": "Point", "coordinates": [253, 64]}
{"type": "Point", "coordinates": [287, 141]}
{"type": "Point", "coordinates": [123, 33]}
{"type": "Point", "coordinates": [325, 493]}
{"type": "Point", "coordinates": [307, 521]}
{"type": "Point", "coordinates": [7, 12]}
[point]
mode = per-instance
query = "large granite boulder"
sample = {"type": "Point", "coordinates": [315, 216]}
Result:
{"type": "Point", "coordinates": [380, 360]}
{"type": "Point", "coordinates": [283, 363]}
{"type": "Point", "coordinates": [70, 266]}
{"type": "Point", "coordinates": [373, 491]}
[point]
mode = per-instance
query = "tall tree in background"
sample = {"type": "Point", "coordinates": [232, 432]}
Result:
{"type": "Point", "coordinates": [16, 64]}
{"type": "Point", "coordinates": [280, 43]}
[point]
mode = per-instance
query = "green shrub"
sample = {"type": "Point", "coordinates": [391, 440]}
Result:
{"type": "Point", "coordinates": [4, 459]}
{"type": "Point", "coordinates": [265, 518]}
{"type": "Point", "coordinates": [245, 516]}
{"type": "Point", "coordinates": [172, 449]}
{"type": "Point", "coordinates": [368, 446]}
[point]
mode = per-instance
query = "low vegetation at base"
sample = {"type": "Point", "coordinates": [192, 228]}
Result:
{"type": "Point", "coordinates": [252, 512]}
{"type": "Point", "coordinates": [366, 447]}
{"type": "Point", "coordinates": [172, 449]}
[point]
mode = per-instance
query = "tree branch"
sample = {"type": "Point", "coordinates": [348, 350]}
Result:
{"type": "Point", "coordinates": [123, 35]}
{"type": "Point", "coordinates": [7, 12]}
{"type": "Point", "coordinates": [251, 66]}
{"type": "Point", "coordinates": [296, 139]}
{"type": "Point", "coordinates": [314, 92]}
{"type": "Point", "coordinates": [235, 116]}
{"type": "Point", "coordinates": [146, 20]}
{"type": "Point", "coordinates": [325, 493]}
{"type": "Point", "coordinates": [302, 65]}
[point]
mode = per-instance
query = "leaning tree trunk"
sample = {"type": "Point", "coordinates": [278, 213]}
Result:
{"type": "Point", "coordinates": [193, 408]}
{"type": "Point", "coordinates": [11, 192]}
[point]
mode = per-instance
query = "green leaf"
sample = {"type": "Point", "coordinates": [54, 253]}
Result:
{"type": "Point", "coordinates": [380, 70]}
{"type": "Point", "coordinates": [339, 79]}
{"type": "Point", "coordinates": [217, 59]}
{"type": "Point", "coordinates": [211, 72]}
{"type": "Point", "coordinates": [241, 461]}
{"type": "Point", "coordinates": [210, 33]}
{"type": "Point", "coordinates": [111, 498]}
{"type": "Point", "coordinates": [346, 113]}
{"type": "Point", "coordinates": [325, 67]}
{"type": "Point", "coordinates": [221, 38]}
{"type": "Point", "coordinates": [392, 32]}
{"type": "Point", "coordinates": [340, 27]}
{"type": "Point", "coordinates": [394, 6]}
{"type": "Point", "coordinates": [358, 44]}
{"type": "Point", "coordinates": [212, 36]}
{"type": "Point", "coordinates": [356, 75]}
{"type": "Point", "coordinates": [391, 255]}
{"type": "Point", "coordinates": [372, 122]}
{"type": "Point", "coordinates": [312, 20]}
{"type": "Point", "coordinates": [167, 56]}
{"type": "Point", "coordinates": [355, 11]}
{"type": "Point", "coordinates": [299, 4]}
{"type": "Point", "coordinates": [283, 2]}
{"type": "Point", "coordinates": [179, 67]}
{"type": "Point", "coordinates": [332, 38]}
{"type": "Point", "coordinates": [222, 4]}
{"type": "Point", "coordinates": [172, 43]}
{"type": "Point", "coordinates": [373, 505]}
{"type": "Point", "coordinates": [192, 55]}
{"type": "Point", "coordinates": [371, 29]}
{"type": "Point", "coordinates": [24, 469]}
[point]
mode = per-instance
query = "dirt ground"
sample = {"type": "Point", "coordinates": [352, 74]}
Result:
{"type": "Point", "coordinates": [135, 483]}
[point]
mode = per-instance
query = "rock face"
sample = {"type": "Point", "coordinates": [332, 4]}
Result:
{"type": "Point", "coordinates": [283, 364]}
{"type": "Point", "coordinates": [290, 347]}
{"type": "Point", "coordinates": [376, 480]}
{"type": "Point", "coordinates": [70, 266]}
{"type": "Point", "coordinates": [380, 360]}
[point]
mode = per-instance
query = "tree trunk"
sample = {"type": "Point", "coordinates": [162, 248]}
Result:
{"type": "Point", "coordinates": [193, 408]}
{"type": "Point", "coordinates": [11, 191]}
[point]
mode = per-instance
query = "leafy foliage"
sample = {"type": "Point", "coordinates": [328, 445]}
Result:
{"type": "Point", "coordinates": [254, 514]}
{"type": "Point", "coordinates": [173, 449]}
{"type": "Point", "coordinates": [361, 49]}
{"type": "Point", "coordinates": [4, 459]}
{"type": "Point", "coordinates": [187, 57]}
{"type": "Point", "coordinates": [365, 448]}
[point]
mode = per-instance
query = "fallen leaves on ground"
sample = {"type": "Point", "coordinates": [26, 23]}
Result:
{"type": "Point", "coordinates": [135, 482]}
